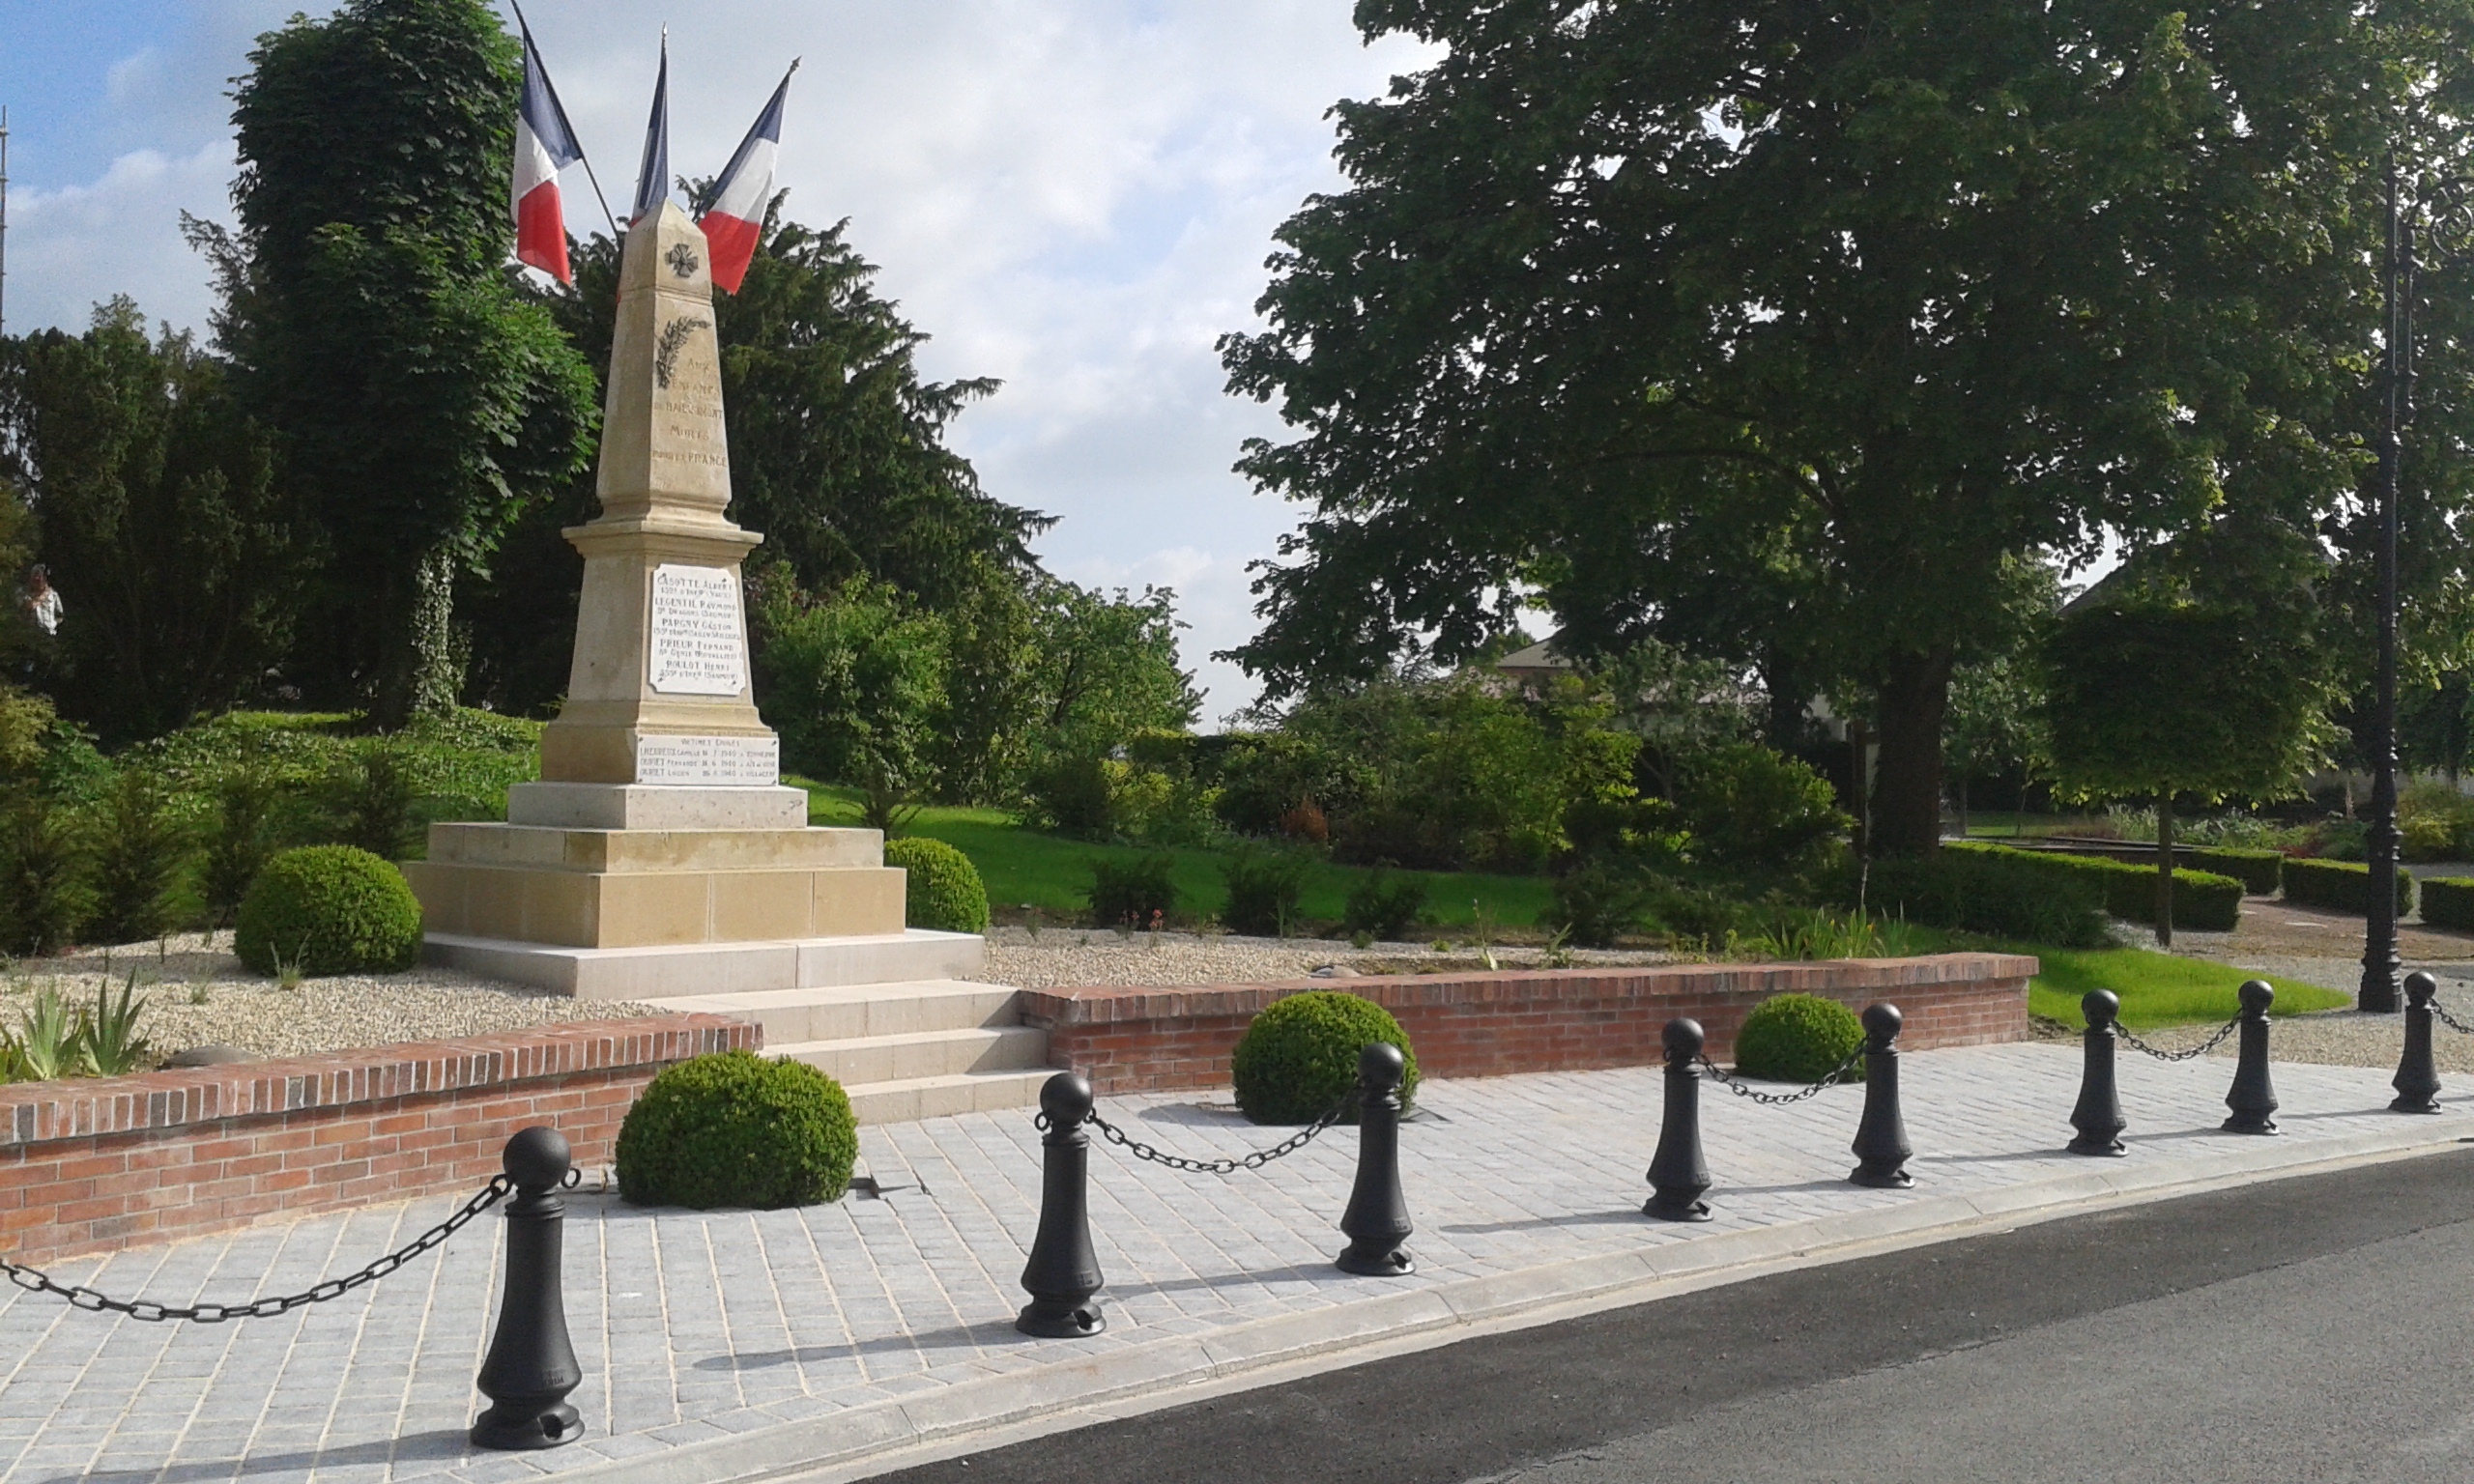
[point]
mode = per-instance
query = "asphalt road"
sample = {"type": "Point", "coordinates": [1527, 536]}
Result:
{"type": "Point", "coordinates": [2318, 1328]}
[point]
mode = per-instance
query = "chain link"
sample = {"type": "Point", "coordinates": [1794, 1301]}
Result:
{"type": "Point", "coordinates": [2201, 1049]}
{"type": "Point", "coordinates": [2440, 1014]}
{"type": "Point", "coordinates": [79, 1296]}
{"type": "Point", "coordinates": [1742, 1089]}
{"type": "Point", "coordinates": [1255, 1160]}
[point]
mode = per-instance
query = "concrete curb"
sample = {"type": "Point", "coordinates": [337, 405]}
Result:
{"type": "Point", "coordinates": [970, 1416]}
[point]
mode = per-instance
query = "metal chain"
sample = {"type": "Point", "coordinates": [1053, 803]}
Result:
{"type": "Point", "coordinates": [2440, 1014]}
{"type": "Point", "coordinates": [2201, 1049]}
{"type": "Point", "coordinates": [79, 1296]}
{"type": "Point", "coordinates": [1741, 1089]}
{"type": "Point", "coordinates": [1249, 1161]}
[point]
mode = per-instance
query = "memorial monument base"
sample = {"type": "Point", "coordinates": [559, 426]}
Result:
{"type": "Point", "coordinates": [782, 968]}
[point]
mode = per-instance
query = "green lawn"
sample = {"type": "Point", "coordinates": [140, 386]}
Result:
{"type": "Point", "coordinates": [2155, 988]}
{"type": "Point", "coordinates": [1022, 867]}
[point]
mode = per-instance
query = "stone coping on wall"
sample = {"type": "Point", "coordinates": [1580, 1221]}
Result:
{"type": "Point", "coordinates": [95, 1164]}
{"type": "Point", "coordinates": [1147, 1039]}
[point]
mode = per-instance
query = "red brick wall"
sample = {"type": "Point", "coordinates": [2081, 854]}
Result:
{"type": "Point", "coordinates": [97, 1164]}
{"type": "Point", "coordinates": [1133, 1040]}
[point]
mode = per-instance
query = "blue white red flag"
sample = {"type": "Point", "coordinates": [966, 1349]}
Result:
{"type": "Point", "coordinates": [544, 146]}
{"type": "Point", "coordinates": [736, 218]}
{"type": "Point", "coordinates": [652, 173]}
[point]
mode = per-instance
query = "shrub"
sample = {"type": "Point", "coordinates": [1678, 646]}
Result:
{"type": "Point", "coordinates": [1599, 902]}
{"type": "Point", "coordinates": [1384, 905]}
{"type": "Point", "coordinates": [943, 890]}
{"type": "Point", "coordinates": [1300, 1055]}
{"type": "Point", "coordinates": [2427, 838]}
{"type": "Point", "coordinates": [1695, 912]}
{"type": "Point", "coordinates": [373, 798]}
{"type": "Point", "coordinates": [1133, 891]}
{"type": "Point", "coordinates": [43, 894]}
{"type": "Point", "coordinates": [2202, 901]}
{"type": "Point", "coordinates": [1798, 1038]}
{"type": "Point", "coordinates": [329, 909]}
{"type": "Point", "coordinates": [1750, 808]}
{"type": "Point", "coordinates": [734, 1130]}
{"type": "Point", "coordinates": [1264, 887]}
{"type": "Point", "coordinates": [138, 863]}
{"type": "Point", "coordinates": [242, 839]}
{"type": "Point", "coordinates": [1998, 891]}
{"type": "Point", "coordinates": [2340, 886]}
{"type": "Point", "coordinates": [1070, 796]}
{"type": "Point", "coordinates": [2260, 871]}
{"type": "Point", "coordinates": [2449, 902]}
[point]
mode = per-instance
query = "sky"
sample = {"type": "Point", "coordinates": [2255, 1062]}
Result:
{"type": "Point", "coordinates": [1074, 196]}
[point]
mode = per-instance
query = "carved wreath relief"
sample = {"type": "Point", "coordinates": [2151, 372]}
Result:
{"type": "Point", "coordinates": [674, 339]}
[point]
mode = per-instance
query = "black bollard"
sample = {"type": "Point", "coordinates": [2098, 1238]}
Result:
{"type": "Point", "coordinates": [2251, 1097]}
{"type": "Point", "coordinates": [531, 1366]}
{"type": "Point", "coordinates": [1677, 1174]}
{"type": "Point", "coordinates": [1880, 1136]}
{"type": "Point", "coordinates": [2417, 1081]}
{"type": "Point", "coordinates": [1377, 1220]}
{"type": "Point", "coordinates": [1063, 1273]}
{"type": "Point", "coordinates": [2098, 1117]}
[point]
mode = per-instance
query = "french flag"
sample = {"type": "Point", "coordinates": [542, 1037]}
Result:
{"type": "Point", "coordinates": [545, 144]}
{"type": "Point", "coordinates": [737, 215]}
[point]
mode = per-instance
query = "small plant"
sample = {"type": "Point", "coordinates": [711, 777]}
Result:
{"type": "Point", "coordinates": [287, 972]}
{"type": "Point", "coordinates": [241, 841]}
{"type": "Point", "coordinates": [138, 862]}
{"type": "Point", "coordinates": [1129, 890]}
{"type": "Point", "coordinates": [48, 1042]}
{"type": "Point", "coordinates": [1264, 887]}
{"type": "Point", "coordinates": [108, 1034]}
{"type": "Point", "coordinates": [1300, 1055]}
{"type": "Point", "coordinates": [200, 994]}
{"type": "Point", "coordinates": [1483, 939]}
{"type": "Point", "coordinates": [1559, 952]}
{"type": "Point", "coordinates": [941, 887]}
{"type": "Point", "coordinates": [1124, 930]}
{"type": "Point", "coordinates": [1360, 940]}
{"type": "Point", "coordinates": [1817, 934]}
{"type": "Point", "coordinates": [1798, 1038]}
{"type": "Point", "coordinates": [1159, 920]}
{"type": "Point", "coordinates": [734, 1130]}
{"type": "Point", "coordinates": [1384, 907]}
{"type": "Point", "coordinates": [333, 909]}
{"type": "Point", "coordinates": [1031, 920]}
{"type": "Point", "coordinates": [1442, 945]}
{"type": "Point", "coordinates": [373, 803]}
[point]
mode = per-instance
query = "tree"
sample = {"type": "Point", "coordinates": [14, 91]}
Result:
{"type": "Point", "coordinates": [424, 403]}
{"type": "Point", "coordinates": [1843, 309]}
{"type": "Point", "coordinates": [2153, 693]}
{"type": "Point", "coordinates": [856, 685]}
{"type": "Point", "coordinates": [163, 524]}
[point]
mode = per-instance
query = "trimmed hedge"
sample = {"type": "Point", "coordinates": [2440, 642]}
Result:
{"type": "Point", "coordinates": [1799, 1038]}
{"type": "Point", "coordinates": [329, 909]}
{"type": "Point", "coordinates": [2001, 893]}
{"type": "Point", "coordinates": [2260, 871]}
{"type": "Point", "coordinates": [1300, 1056]}
{"type": "Point", "coordinates": [941, 889]}
{"type": "Point", "coordinates": [732, 1128]}
{"type": "Point", "coordinates": [2203, 901]}
{"type": "Point", "coordinates": [2340, 886]}
{"type": "Point", "coordinates": [2449, 902]}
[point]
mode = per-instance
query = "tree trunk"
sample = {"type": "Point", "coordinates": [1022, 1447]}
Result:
{"type": "Point", "coordinates": [425, 672]}
{"type": "Point", "coordinates": [1963, 805]}
{"type": "Point", "coordinates": [2165, 870]}
{"type": "Point", "coordinates": [1907, 794]}
{"type": "Point", "coordinates": [1859, 794]}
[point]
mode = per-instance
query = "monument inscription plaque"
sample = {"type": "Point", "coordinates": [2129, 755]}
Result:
{"type": "Point", "coordinates": [698, 646]}
{"type": "Point", "coordinates": [709, 762]}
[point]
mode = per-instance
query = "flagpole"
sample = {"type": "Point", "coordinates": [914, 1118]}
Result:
{"type": "Point", "coordinates": [741, 151]}
{"type": "Point", "coordinates": [526, 29]}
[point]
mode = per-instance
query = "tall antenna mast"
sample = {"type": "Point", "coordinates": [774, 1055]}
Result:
{"type": "Point", "coordinates": [4, 218]}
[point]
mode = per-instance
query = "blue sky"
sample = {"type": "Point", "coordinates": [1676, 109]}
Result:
{"type": "Point", "coordinates": [1073, 195]}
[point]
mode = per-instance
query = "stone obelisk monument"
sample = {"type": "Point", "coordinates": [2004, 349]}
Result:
{"type": "Point", "coordinates": [660, 855]}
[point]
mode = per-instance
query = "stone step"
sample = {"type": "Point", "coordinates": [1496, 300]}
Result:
{"type": "Point", "coordinates": [971, 1092]}
{"type": "Point", "coordinates": [713, 968]}
{"type": "Point", "coordinates": [865, 1063]}
{"type": "Point", "coordinates": [852, 1011]}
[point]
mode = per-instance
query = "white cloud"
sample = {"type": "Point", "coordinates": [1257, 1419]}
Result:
{"type": "Point", "coordinates": [72, 248]}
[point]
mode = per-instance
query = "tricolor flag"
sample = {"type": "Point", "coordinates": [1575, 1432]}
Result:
{"type": "Point", "coordinates": [737, 214]}
{"type": "Point", "coordinates": [544, 146]}
{"type": "Point", "coordinates": [653, 174]}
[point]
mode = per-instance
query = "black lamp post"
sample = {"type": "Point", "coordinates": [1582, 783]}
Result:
{"type": "Point", "coordinates": [2380, 961]}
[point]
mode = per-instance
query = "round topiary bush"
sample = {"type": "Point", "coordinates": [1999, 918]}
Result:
{"type": "Point", "coordinates": [943, 891]}
{"type": "Point", "coordinates": [1799, 1038]}
{"type": "Point", "coordinates": [329, 909]}
{"type": "Point", "coordinates": [735, 1130]}
{"type": "Point", "coordinates": [1300, 1055]}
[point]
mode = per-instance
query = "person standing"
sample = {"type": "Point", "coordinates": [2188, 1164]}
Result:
{"type": "Point", "coordinates": [42, 601]}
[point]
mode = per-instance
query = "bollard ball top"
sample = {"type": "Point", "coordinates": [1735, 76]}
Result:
{"type": "Point", "coordinates": [1066, 1098]}
{"type": "Point", "coordinates": [1380, 1065]}
{"type": "Point", "coordinates": [538, 1158]}
{"type": "Point", "coordinates": [2420, 988]}
{"type": "Point", "coordinates": [2100, 1006]}
{"type": "Point", "coordinates": [1881, 1024]}
{"type": "Point", "coordinates": [2258, 995]}
{"type": "Point", "coordinates": [1684, 1037]}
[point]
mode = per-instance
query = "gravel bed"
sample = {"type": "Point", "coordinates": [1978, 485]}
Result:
{"type": "Point", "coordinates": [2343, 1038]}
{"type": "Point", "coordinates": [197, 994]}
{"type": "Point", "coordinates": [1073, 957]}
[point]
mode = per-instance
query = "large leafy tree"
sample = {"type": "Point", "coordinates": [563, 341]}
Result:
{"type": "Point", "coordinates": [177, 553]}
{"type": "Point", "coordinates": [1819, 316]}
{"type": "Point", "coordinates": [423, 401]}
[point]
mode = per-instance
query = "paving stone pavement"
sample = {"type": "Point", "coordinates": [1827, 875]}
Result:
{"type": "Point", "coordinates": [755, 1338]}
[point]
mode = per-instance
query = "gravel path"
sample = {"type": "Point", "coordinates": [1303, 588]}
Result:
{"type": "Point", "coordinates": [1070, 956]}
{"type": "Point", "coordinates": [198, 994]}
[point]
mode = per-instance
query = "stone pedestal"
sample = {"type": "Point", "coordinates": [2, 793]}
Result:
{"type": "Point", "coordinates": [659, 821]}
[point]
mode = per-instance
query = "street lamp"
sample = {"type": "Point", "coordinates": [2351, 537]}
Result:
{"type": "Point", "coordinates": [2379, 960]}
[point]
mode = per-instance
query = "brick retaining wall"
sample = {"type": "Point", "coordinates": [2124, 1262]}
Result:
{"type": "Point", "coordinates": [97, 1164]}
{"type": "Point", "coordinates": [1485, 1025]}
